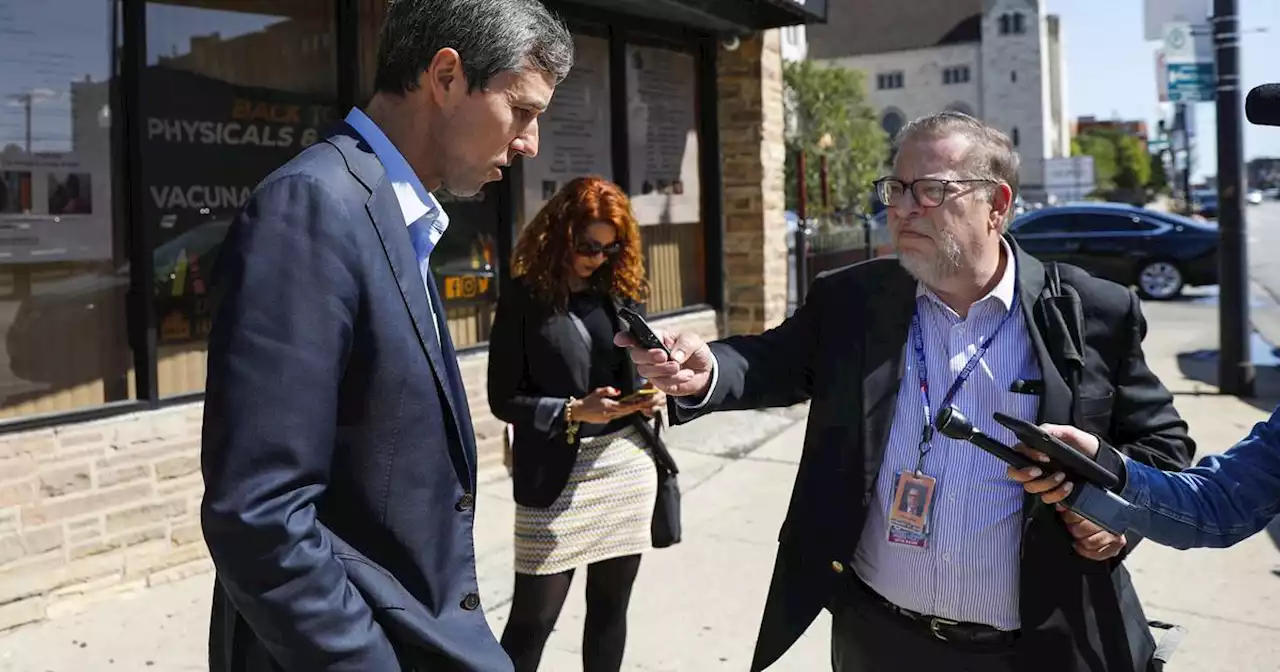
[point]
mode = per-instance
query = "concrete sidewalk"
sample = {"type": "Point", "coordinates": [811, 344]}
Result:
{"type": "Point", "coordinates": [697, 605]}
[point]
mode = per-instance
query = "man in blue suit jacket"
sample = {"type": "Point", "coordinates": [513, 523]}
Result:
{"type": "Point", "coordinates": [338, 455]}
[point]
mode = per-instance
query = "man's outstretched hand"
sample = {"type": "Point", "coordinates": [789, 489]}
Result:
{"type": "Point", "coordinates": [687, 373]}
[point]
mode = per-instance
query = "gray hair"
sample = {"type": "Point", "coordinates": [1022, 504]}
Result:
{"type": "Point", "coordinates": [992, 156]}
{"type": "Point", "coordinates": [491, 36]}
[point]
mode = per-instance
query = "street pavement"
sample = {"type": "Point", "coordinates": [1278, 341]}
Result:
{"type": "Point", "coordinates": [697, 605]}
{"type": "Point", "coordinates": [1262, 224]}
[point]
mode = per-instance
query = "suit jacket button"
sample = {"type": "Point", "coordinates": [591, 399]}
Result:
{"type": "Point", "coordinates": [837, 566]}
{"type": "Point", "coordinates": [465, 502]}
{"type": "Point", "coordinates": [471, 602]}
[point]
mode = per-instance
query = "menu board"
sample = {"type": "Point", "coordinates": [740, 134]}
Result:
{"type": "Point", "coordinates": [663, 135]}
{"type": "Point", "coordinates": [574, 133]}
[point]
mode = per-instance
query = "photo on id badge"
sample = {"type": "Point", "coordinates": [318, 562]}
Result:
{"type": "Point", "coordinates": [909, 512]}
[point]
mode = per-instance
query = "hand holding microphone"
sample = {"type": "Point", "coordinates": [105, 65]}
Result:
{"type": "Point", "coordinates": [1100, 516]}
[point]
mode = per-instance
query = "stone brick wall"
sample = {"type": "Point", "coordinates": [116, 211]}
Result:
{"type": "Point", "coordinates": [92, 510]}
{"type": "Point", "coordinates": [753, 155]}
{"type": "Point", "coordinates": [1015, 87]}
{"type": "Point", "coordinates": [924, 90]}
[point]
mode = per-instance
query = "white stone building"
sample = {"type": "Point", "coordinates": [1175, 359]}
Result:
{"type": "Point", "coordinates": [999, 60]}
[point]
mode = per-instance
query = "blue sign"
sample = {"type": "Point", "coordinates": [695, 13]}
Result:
{"type": "Point", "coordinates": [1192, 82]}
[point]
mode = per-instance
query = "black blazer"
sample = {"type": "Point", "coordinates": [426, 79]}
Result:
{"type": "Point", "coordinates": [844, 350]}
{"type": "Point", "coordinates": [538, 358]}
{"type": "Point", "coordinates": [338, 456]}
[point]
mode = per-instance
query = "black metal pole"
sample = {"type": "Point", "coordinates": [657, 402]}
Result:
{"type": "Point", "coordinates": [802, 241]}
{"type": "Point", "coordinates": [826, 187]}
{"type": "Point", "coordinates": [1235, 366]}
{"type": "Point", "coordinates": [1183, 129]}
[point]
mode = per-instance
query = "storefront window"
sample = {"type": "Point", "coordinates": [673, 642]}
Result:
{"type": "Point", "coordinates": [662, 149]}
{"type": "Point", "coordinates": [231, 91]}
{"type": "Point", "coordinates": [465, 262]}
{"type": "Point", "coordinates": [574, 134]}
{"type": "Point", "coordinates": [63, 275]}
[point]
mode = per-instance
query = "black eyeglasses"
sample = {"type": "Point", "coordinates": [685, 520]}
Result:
{"type": "Point", "coordinates": [928, 192]}
{"type": "Point", "coordinates": [590, 248]}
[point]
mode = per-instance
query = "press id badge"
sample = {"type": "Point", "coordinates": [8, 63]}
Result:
{"type": "Point", "coordinates": [909, 511]}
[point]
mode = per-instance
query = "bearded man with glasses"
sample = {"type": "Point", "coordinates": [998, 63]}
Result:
{"type": "Point", "coordinates": [974, 574]}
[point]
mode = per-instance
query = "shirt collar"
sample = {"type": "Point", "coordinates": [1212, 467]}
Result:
{"type": "Point", "coordinates": [1002, 292]}
{"type": "Point", "coordinates": [414, 199]}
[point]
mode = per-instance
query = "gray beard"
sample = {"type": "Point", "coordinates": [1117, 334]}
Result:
{"type": "Point", "coordinates": [936, 270]}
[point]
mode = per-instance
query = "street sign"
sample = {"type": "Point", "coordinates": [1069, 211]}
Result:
{"type": "Point", "coordinates": [1157, 13]}
{"type": "Point", "coordinates": [1191, 82]}
{"type": "Point", "coordinates": [1162, 77]}
{"type": "Point", "coordinates": [1186, 42]}
{"type": "Point", "coordinates": [1069, 178]}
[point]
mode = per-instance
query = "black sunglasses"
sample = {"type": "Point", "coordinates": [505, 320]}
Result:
{"type": "Point", "coordinates": [590, 248]}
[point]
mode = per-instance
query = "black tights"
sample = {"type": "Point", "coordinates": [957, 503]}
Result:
{"type": "Point", "coordinates": [536, 606]}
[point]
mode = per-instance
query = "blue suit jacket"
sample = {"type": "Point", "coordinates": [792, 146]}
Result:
{"type": "Point", "coordinates": [338, 455]}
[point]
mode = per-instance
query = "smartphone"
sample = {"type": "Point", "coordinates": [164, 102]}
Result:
{"type": "Point", "coordinates": [636, 396]}
{"type": "Point", "coordinates": [640, 331]}
{"type": "Point", "coordinates": [1062, 457]}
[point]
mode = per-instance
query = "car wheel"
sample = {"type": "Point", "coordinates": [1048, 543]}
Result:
{"type": "Point", "coordinates": [1160, 280]}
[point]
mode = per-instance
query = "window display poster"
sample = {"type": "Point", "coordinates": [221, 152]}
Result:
{"type": "Point", "coordinates": [54, 207]}
{"type": "Point", "coordinates": [574, 133]}
{"type": "Point", "coordinates": [206, 144]}
{"type": "Point", "coordinates": [663, 135]}
{"type": "Point", "coordinates": [55, 132]}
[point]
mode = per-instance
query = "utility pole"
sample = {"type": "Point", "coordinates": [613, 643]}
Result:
{"type": "Point", "coordinates": [1235, 365]}
{"type": "Point", "coordinates": [1182, 127]}
{"type": "Point", "coordinates": [802, 241]}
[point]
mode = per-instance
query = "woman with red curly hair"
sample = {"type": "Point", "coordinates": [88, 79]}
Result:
{"type": "Point", "coordinates": [583, 472]}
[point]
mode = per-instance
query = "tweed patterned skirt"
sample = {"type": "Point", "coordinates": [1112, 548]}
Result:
{"type": "Point", "coordinates": [605, 510]}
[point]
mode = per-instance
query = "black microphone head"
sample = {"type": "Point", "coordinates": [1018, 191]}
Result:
{"type": "Point", "coordinates": [952, 423]}
{"type": "Point", "coordinates": [1262, 105]}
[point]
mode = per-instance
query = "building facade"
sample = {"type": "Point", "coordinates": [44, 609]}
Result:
{"type": "Point", "coordinates": [135, 129]}
{"type": "Point", "coordinates": [999, 60]}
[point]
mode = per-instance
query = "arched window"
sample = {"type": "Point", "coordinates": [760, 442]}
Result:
{"type": "Point", "coordinates": [892, 121]}
{"type": "Point", "coordinates": [1016, 139]}
{"type": "Point", "coordinates": [1013, 24]}
{"type": "Point", "coordinates": [961, 108]}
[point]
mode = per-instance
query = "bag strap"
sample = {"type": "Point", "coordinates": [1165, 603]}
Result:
{"type": "Point", "coordinates": [661, 456]}
{"type": "Point", "coordinates": [1064, 319]}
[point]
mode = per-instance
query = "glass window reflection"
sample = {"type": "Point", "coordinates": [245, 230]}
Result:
{"type": "Point", "coordinates": [231, 91]}
{"type": "Point", "coordinates": [62, 273]}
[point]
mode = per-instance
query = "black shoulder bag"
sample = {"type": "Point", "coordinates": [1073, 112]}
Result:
{"type": "Point", "coordinates": [665, 528]}
{"type": "Point", "coordinates": [1064, 318]}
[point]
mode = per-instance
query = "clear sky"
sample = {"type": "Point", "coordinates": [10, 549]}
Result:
{"type": "Point", "coordinates": [1111, 69]}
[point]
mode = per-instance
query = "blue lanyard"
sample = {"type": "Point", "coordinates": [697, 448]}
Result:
{"type": "Point", "coordinates": [917, 337]}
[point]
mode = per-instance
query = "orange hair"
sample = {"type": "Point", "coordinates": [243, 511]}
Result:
{"type": "Point", "coordinates": [543, 252]}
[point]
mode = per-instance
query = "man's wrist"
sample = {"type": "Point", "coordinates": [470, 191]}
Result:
{"type": "Point", "coordinates": [706, 395]}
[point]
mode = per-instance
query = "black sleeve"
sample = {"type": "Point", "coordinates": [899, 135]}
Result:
{"type": "Point", "coordinates": [769, 370]}
{"type": "Point", "coordinates": [508, 400]}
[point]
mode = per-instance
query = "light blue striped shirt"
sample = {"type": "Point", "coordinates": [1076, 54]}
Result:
{"type": "Point", "coordinates": [969, 571]}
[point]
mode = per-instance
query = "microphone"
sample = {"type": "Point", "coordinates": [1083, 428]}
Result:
{"type": "Point", "coordinates": [952, 423]}
{"type": "Point", "coordinates": [1098, 505]}
{"type": "Point", "coordinates": [1262, 105]}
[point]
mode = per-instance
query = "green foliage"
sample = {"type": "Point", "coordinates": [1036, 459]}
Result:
{"type": "Point", "coordinates": [1120, 160]}
{"type": "Point", "coordinates": [830, 116]}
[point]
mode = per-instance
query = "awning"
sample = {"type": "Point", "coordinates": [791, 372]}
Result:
{"type": "Point", "coordinates": [720, 16]}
